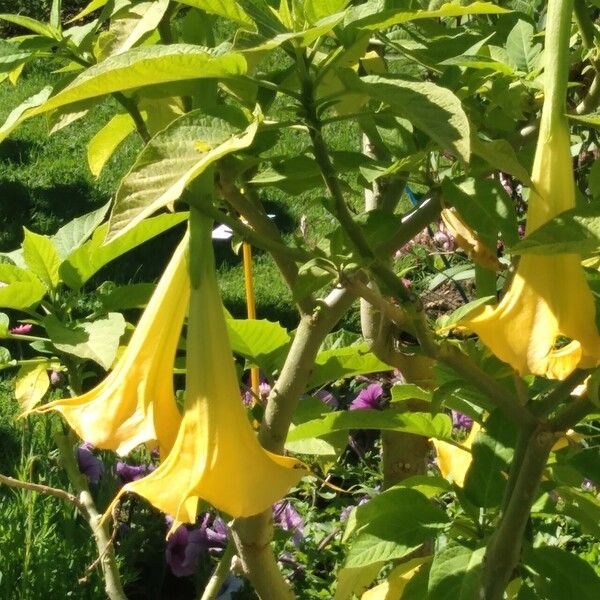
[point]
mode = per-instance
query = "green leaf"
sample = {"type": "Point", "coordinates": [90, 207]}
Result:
{"type": "Point", "coordinates": [174, 158]}
{"type": "Point", "coordinates": [126, 297]}
{"type": "Point", "coordinates": [431, 426]}
{"type": "Point", "coordinates": [455, 574]}
{"type": "Point", "coordinates": [492, 453]}
{"type": "Point", "coordinates": [523, 53]}
{"type": "Point", "coordinates": [223, 8]}
{"type": "Point", "coordinates": [375, 18]}
{"type": "Point", "coordinates": [314, 10]}
{"type": "Point", "coordinates": [5, 358]}
{"type": "Point", "coordinates": [148, 17]}
{"type": "Point", "coordinates": [140, 67]}
{"type": "Point", "coordinates": [102, 146]}
{"type": "Point", "coordinates": [260, 341]}
{"type": "Point", "coordinates": [90, 8]}
{"type": "Point", "coordinates": [95, 340]}
{"type": "Point", "coordinates": [31, 385]}
{"type": "Point", "coordinates": [433, 109]}
{"type": "Point", "coordinates": [354, 581]}
{"type": "Point", "coordinates": [4, 325]}
{"type": "Point", "coordinates": [409, 391]}
{"type": "Point", "coordinates": [562, 575]}
{"type": "Point", "coordinates": [500, 155]}
{"type": "Point", "coordinates": [479, 62]}
{"type": "Point", "coordinates": [38, 27]}
{"type": "Point", "coordinates": [575, 231]}
{"type": "Point", "coordinates": [392, 525]}
{"type": "Point", "coordinates": [448, 322]}
{"type": "Point", "coordinates": [41, 257]}
{"type": "Point", "coordinates": [582, 507]}
{"type": "Point", "coordinates": [485, 207]}
{"type": "Point", "coordinates": [70, 236]}
{"type": "Point", "coordinates": [21, 288]}
{"type": "Point", "coordinates": [339, 363]}
{"type": "Point", "coordinates": [94, 254]}
{"type": "Point", "coordinates": [591, 119]}
{"type": "Point", "coordinates": [21, 112]}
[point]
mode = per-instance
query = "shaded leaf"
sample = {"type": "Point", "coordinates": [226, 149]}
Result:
{"type": "Point", "coordinates": [455, 574]}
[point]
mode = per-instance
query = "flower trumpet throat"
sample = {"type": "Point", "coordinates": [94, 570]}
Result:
{"type": "Point", "coordinates": [216, 455]}
{"type": "Point", "coordinates": [136, 403]}
{"type": "Point", "coordinates": [545, 324]}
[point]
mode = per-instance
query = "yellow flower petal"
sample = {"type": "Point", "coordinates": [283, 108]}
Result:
{"type": "Point", "coordinates": [454, 462]}
{"type": "Point", "coordinates": [216, 455]}
{"type": "Point", "coordinates": [549, 299]}
{"type": "Point", "coordinates": [393, 587]}
{"type": "Point", "coordinates": [135, 403]}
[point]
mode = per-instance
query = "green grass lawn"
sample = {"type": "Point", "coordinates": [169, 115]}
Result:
{"type": "Point", "coordinates": [45, 182]}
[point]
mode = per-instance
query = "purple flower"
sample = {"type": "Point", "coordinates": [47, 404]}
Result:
{"type": "Point", "coordinates": [345, 512]}
{"type": "Point", "coordinates": [369, 397]}
{"type": "Point", "coordinates": [461, 421]}
{"type": "Point", "coordinates": [588, 485]}
{"type": "Point", "coordinates": [23, 329]}
{"type": "Point", "coordinates": [128, 473]}
{"type": "Point", "coordinates": [184, 548]}
{"type": "Point", "coordinates": [55, 377]}
{"type": "Point", "coordinates": [264, 389]}
{"type": "Point", "coordinates": [89, 464]}
{"type": "Point", "coordinates": [288, 518]}
{"type": "Point", "coordinates": [328, 398]}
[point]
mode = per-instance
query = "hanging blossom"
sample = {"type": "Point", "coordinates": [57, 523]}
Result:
{"type": "Point", "coordinates": [135, 404]}
{"type": "Point", "coordinates": [216, 455]}
{"type": "Point", "coordinates": [454, 462]}
{"type": "Point", "coordinates": [545, 324]}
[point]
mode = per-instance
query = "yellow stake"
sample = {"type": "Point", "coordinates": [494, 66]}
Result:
{"type": "Point", "coordinates": [251, 308]}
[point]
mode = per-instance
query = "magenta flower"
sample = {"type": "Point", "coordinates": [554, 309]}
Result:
{"type": "Point", "coordinates": [23, 329]}
{"type": "Point", "coordinates": [288, 518]}
{"type": "Point", "coordinates": [461, 421]}
{"type": "Point", "coordinates": [369, 397]}
{"type": "Point", "coordinates": [89, 464]}
{"type": "Point", "coordinates": [55, 377]}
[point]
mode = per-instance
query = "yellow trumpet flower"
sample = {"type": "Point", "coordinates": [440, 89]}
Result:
{"type": "Point", "coordinates": [216, 455]}
{"type": "Point", "coordinates": [136, 403]}
{"type": "Point", "coordinates": [454, 462]}
{"type": "Point", "coordinates": [545, 324]}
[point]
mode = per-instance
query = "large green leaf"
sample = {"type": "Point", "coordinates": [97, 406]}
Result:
{"type": "Point", "coordinates": [21, 289]}
{"type": "Point", "coordinates": [31, 385]}
{"type": "Point", "coordinates": [223, 8]}
{"type": "Point", "coordinates": [575, 231]}
{"type": "Point", "coordinates": [89, 258]}
{"type": "Point", "coordinates": [175, 157]}
{"type": "Point", "coordinates": [372, 16]}
{"type": "Point", "coordinates": [105, 142]}
{"type": "Point", "coordinates": [390, 526]}
{"type": "Point", "coordinates": [338, 363]}
{"type": "Point", "coordinates": [36, 26]}
{"type": "Point", "coordinates": [259, 341]}
{"type": "Point", "coordinates": [492, 452]}
{"type": "Point", "coordinates": [70, 236]}
{"type": "Point", "coordinates": [95, 340]}
{"type": "Point", "coordinates": [425, 424]}
{"type": "Point", "coordinates": [562, 574]}
{"type": "Point", "coordinates": [21, 112]}
{"type": "Point", "coordinates": [521, 49]}
{"type": "Point", "coordinates": [41, 257]}
{"type": "Point", "coordinates": [433, 109]}
{"type": "Point", "coordinates": [139, 67]}
{"type": "Point", "coordinates": [354, 581]}
{"type": "Point", "coordinates": [500, 155]}
{"type": "Point", "coordinates": [485, 207]}
{"type": "Point", "coordinates": [455, 574]}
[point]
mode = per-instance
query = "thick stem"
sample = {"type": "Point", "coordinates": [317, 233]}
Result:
{"type": "Point", "coordinates": [106, 553]}
{"type": "Point", "coordinates": [504, 549]}
{"type": "Point", "coordinates": [253, 535]}
{"type": "Point", "coordinates": [220, 573]}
